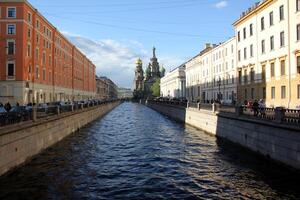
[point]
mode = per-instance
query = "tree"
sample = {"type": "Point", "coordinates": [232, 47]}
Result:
{"type": "Point", "coordinates": [155, 88]}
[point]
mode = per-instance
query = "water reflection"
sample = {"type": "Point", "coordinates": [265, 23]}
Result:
{"type": "Point", "coordinates": [136, 153]}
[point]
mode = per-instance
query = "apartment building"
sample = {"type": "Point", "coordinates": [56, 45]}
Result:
{"type": "Point", "coordinates": [268, 53]}
{"type": "Point", "coordinates": [211, 75]}
{"type": "Point", "coordinates": [172, 85]}
{"type": "Point", "coordinates": [38, 64]}
{"type": "Point", "coordinates": [106, 88]}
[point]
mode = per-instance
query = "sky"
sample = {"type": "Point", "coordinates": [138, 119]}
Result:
{"type": "Point", "coordinates": [115, 33]}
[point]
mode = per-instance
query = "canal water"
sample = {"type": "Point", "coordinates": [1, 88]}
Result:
{"type": "Point", "coordinates": [137, 153]}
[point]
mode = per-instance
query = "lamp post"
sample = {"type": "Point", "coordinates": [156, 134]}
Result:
{"type": "Point", "coordinates": [219, 93]}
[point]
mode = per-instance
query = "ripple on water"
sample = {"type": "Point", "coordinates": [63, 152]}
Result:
{"type": "Point", "coordinates": [136, 153]}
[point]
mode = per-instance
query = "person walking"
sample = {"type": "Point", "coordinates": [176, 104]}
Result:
{"type": "Point", "coordinates": [255, 106]}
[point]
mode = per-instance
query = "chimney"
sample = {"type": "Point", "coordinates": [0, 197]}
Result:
{"type": "Point", "coordinates": [207, 45]}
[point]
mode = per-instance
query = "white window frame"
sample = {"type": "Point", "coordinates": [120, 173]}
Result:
{"type": "Point", "coordinates": [14, 33]}
{"type": "Point", "coordinates": [15, 12]}
{"type": "Point", "coordinates": [14, 76]}
{"type": "Point", "coordinates": [10, 40]}
{"type": "Point", "coordinates": [30, 21]}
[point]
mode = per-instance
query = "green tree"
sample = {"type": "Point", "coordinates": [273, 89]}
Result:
{"type": "Point", "coordinates": [155, 88]}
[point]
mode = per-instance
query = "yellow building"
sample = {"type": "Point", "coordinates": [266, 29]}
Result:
{"type": "Point", "coordinates": [268, 53]}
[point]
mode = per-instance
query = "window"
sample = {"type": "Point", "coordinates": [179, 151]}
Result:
{"type": "Point", "coordinates": [29, 18]}
{"type": "Point", "coordinates": [298, 5]}
{"type": "Point", "coordinates": [264, 93]}
{"type": "Point", "coordinates": [246, 94]}
{"type": "Point", "coordinates": [281, 13]}
{"type": "Point", "coordinates": [37, 54]}
{"type": "Point", "coordinates": [282, 67]}
{"type": "Point", "coordinates": [10, 47]}
{"type": "Point", "coordinates": [245, 53]}
{"type": "Point", "coordinates": [37, 72]}
{"type": "Point", "coordinates": [251, 50]}
{"type": "Point", "coordinates": [240, 77]}
{"type": "Point", "coordinates": [239, 36]}
{"type": "Point", "coordinates": [298, 64]}
{"type": "Point", "coordinates": [273, 92]}
{"type": "Point", "coordinates": [263, 46]}
{"type": "Point", "coordinates": [10, 69]}
{"type": "Point", "coordinates": [272, 69]}
{"type": "Point", "coordinates": [244, 33]}
{"type": "Point", "coordinates": [11, 29]}
{"type": "Point", "coordinates": [28, 50]}
{"type": "Point", "coordinates": [298, 32]}
{"type": "Point", "coordinates": [283, 92]}
{"type": "Point", "coordinates": [251, 29]}
{"type": "Point", "coordinates": [271, 19]}
{"type": "Point", "coordinates": [37, 38]}
{"type": "Point", "coordinates": [37, 24]}
{"type": "Point", "coordinates": [282, 39]}
{"type": "Point", "coordinates": [252, 74]}
{"type": "Point", "coordinates": [263, 72]}
{"type": "Point", "coordinates": [44, 74]}
{"type": "Point", "coordinates": [11, 12]}
{"type": "Point", "coordinates": [239, 55]}
{"type": "Point", "coordinates": [44, 58]}
{"type": "Point", "coordinates": [245, 76]}
{"type": "Point", "coordinates": [262, 23]}
{"type": "Point", "coordinates": [272, 43]}
{"type": "Point", "coordinates": [29, 33]}
{"type": "Point", "coordinates": [252, 93]}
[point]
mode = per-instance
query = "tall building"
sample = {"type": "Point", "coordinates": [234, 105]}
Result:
{"type": "Point", "coordinates": [38, 64]}
{"type": "Point", "coordinates": [268, 49]}
{"type": "Point", "coordinates": [172, 85]}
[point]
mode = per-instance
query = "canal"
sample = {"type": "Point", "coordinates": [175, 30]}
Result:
{"type": "Point", "coordinates": [136, 153]}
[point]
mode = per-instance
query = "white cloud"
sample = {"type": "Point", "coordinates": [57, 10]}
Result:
{"type": "Point", "coordinates": [221, 4]}
{"type": "Point", "coordinates": [116, 59]}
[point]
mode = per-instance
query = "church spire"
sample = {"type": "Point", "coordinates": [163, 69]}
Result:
{"type": "Point", "coordinates": [154, 49]}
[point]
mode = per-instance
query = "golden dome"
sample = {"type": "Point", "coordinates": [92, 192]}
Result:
{"type": "Point", "coordinates": [139, 62]}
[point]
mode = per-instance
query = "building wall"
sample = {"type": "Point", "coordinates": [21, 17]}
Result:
{"type": "Point", "coordinates": [282, 58]}
{"type": "Point", "coordinates": [173, 83]}
{"type": "Point", "coordinates": [47, 67]}
{"type": "Point", "coordinates": [211, 75]}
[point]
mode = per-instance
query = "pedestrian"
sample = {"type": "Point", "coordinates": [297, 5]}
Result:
{"type": "Point", "coordinates": [7, 106]}
{"type": "Point", "coordinates": [262, 108]}
{"type": "Point", "coordinates": [255, 108]}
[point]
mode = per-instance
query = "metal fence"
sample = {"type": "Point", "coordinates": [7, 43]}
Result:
{"type": "Point", "coordinates": [277, 115]}
{"type": "Point", "coordinates": [31, 113]}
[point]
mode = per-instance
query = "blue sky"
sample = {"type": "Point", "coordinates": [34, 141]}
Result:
{"type": "Point", "coordinates": [114, 33]}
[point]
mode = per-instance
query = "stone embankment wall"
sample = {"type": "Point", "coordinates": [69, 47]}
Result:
{"type": "Point", "coordinates": [19, 142]}
{"type": "Point", "coordinates": [277, 141]}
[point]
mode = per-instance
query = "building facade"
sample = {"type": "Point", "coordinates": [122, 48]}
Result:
{"type": "Point", "coordinates": [211, 75]}
{"type": "Point", "coordinates": [106, 88]}
{"type": "Point", "coordinates": [125, 93]}
{"type": "Point", "coordinates": [38, 64]}
{"type": "Point", "coordinates": [268, 53]}
{"type": "Point", "coordinates": [172, 85]}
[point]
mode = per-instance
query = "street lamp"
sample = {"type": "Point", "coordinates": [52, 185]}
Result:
{"type": "Point", "coordinates": [219, 93]}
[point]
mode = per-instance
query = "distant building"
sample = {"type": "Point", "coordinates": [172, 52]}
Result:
{"type": "Point", "coordinates": [124, 93]}
{"type": "Point", "coordinates": [38, 64]}
{"type": "Point", "coordinates": [211, 75]}
{"type": "Point", "coordinates": [143, 82]}
{"type": "Point", "coordinates": [106, 88]}
{"type": "Point", "coordinates": [172, 85]}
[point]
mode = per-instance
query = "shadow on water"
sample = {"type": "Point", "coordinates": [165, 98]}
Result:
{"type": "Point", "coordinates": [136, 153]}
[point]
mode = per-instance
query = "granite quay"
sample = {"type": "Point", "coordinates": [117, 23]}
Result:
{"type": "Point", "coordinates": [274, 134]}
{"type": "Point", "coordinates": [20, 142]}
